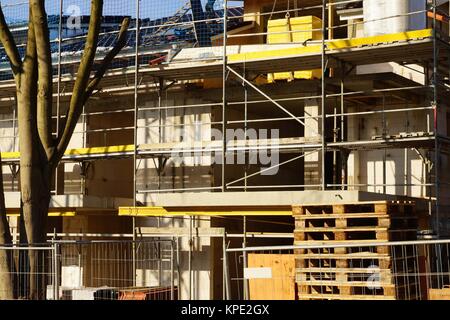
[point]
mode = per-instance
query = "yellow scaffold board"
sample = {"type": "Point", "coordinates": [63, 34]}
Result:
{"type": "Point", "coordinates": [100, 150]}
{"type": "Point", "coordinates": [81, 151]}
{"type": "Point", "coordinates": [202, 211]}
{"type": "Point", "coordinates": [333, 45]}
{"type": "Point", "coordinates": [52, 213]}
{"type": "Point", "coordinates": [381, 39]}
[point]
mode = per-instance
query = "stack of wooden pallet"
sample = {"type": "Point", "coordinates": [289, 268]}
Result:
{"type": "Point", "coordinates": [354, 272]}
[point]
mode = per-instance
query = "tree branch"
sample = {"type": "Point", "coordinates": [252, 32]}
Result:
{"type": "Point", "coordinates": [83, 75]}
{"type": "Point", "coordinates": [38, 18]}
{"type": "Point", "coordinates": [10, 46]}
{"type": "Point", "coordinates": [120, 43]}
{"type": "Point", "coordinates": [28, 83]}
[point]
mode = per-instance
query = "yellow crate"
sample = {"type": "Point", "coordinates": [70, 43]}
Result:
{"type": "Point", "coordinates": [280, 31]}
{"type": "Point", "coordinates": [310, 28]}
{"type": "Point", "coordinates": [308, 74]}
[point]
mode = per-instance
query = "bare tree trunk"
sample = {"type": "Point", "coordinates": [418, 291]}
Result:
{"type": "Point", "coordinates": [34, 177]}
{"type": "Point", "coordinates": [7, 291]}
{"type": "Point", "coordinates": [40, 152]}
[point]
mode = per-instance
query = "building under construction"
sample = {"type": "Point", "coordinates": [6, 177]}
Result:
{"type": "Point", "coordinates": [221, 123]}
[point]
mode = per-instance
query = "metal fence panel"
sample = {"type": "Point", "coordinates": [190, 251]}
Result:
{"type": "Point", "coordinates": [418, 270]}
{"type": "Point", "coordinates": [94, 270]}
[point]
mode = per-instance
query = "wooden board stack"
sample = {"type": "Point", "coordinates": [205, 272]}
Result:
{"type": "Point", "coordinates": [356, 273]}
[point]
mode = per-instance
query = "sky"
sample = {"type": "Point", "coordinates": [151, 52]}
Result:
{"type": "Point", "coordinates": [16, 10]}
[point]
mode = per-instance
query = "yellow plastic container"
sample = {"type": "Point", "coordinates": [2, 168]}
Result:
{"type": "Point", "coordinates": [311, 29]}
{"type": "Point", "coordinates": [308, 27]}
{"type": "Point", "coordinates": [279, 32]}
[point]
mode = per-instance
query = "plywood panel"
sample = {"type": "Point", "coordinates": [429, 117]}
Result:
{"type": "Point", "coordinates": [282, 284]}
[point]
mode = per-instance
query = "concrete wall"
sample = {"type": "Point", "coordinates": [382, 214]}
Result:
{"type": "Point", "coordinates": [391, 166]}
{"type": "Point", "coordinates": [72, 178]}
{"type": "Point", "coordinates": [174, 126]}
{"type": "Point", "coordinates": [201, 259]}
{"type": "Point", "coordinates": [8, 144]}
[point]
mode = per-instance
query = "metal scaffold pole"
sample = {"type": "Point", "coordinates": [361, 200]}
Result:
{"type": "Point", "coordinates": [224, 94]}
{"type": "Point", "coordinates": [226, 275]}
{"type": "Point", "coordinates": [436, 116]}
{"type": "Point", "coordinates": [323, 93]}
{"type": "Point", "coordinates": [58, 98]}
{"type": "Point", "coordinates": [135, 138]}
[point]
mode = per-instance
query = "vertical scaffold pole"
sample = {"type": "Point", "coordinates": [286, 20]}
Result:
{"type": "Point", "coordinates": [224, 93]}
{"type": "Point", "coordinates": [56, 271]}
{"type": "Point", "coordinates": [436, 114]}
{"type": "Point", "coordinates": [58, 98]}
{"type": "Point", "coordinates": [136, 85]}
{"type": "Point", "coordinates": [226, 274]}
{"type": "Point", "coordinates": [323, 153]}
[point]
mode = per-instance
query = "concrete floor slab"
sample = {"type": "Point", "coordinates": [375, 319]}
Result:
{"type": "Point", "coordinates": [265, 198]}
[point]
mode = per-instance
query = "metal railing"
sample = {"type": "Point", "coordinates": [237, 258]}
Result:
{"type": "Point", "coordinates": [358, 270]}
{"type": "Point", "coordinates": [93, 270]}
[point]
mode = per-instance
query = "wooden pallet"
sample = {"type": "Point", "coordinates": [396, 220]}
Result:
{"type": "Point", "coordinates": [330, 296]}
{"type": "Point", "coordinates": [343, 272]}
{"type": "Point", "coordinates": [354, 219]}
{"type": "Point", "coordinates": [346, 234]}
{"type": "Point", "coordinates": [377, 207]}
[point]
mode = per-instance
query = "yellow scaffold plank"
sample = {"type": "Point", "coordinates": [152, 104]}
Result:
{"type": "Point", "coordinates": [99, 150]}
{"type": "Point", "coordinates": [380, 39]}
{"type": "Point", "coordinates": [174, 212]}
{"type": "Point", "coordinates": [274, 53]}
{"type": "Point", "coordinates": [81, 151]}
{"type": "Point", "coordinates": [10, 155]}
{"type": "Point", "coordinates": [333, 45]}
{"type": "Point", "coordinates": [52, 213]}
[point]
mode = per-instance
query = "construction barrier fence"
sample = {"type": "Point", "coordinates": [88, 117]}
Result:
{"type": "Point", "coordinates": [93, 270]}
{"type": "Point", "coordinates": [414, 270]}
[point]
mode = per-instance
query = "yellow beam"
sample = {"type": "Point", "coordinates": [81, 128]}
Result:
{"type": "Point", "coordinates": [273, 53]}
{"type": "Point", "coordinates": [190, 211]}
{"type": "Point", "coordinates": [10, 155]}
{"type": "Point", "coordinates": [99, 150]}
{"type": "Point", "coordinates": [52, 213]}
{"type": "Point", "coordinates": [333, 45]}
{"type": "Point", "coordinates": [381, 39]}
{"type": "Point", "coordinates": [81, 151]}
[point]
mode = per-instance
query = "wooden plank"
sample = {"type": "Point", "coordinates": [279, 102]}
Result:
{"type": "Point", "coordinates": [343, 270]}
{"type": "Point", "coordinates": [282, 284]}
{"type": "Point", "coordinates": [363, 215]}
{"type": "Point", "coordinates": [343, 297]}
{"type": "Point", "coordinates": [358, 203]}
{"type": "Point", "coordinates": [337, 283]}
{"type": "Point", "coordinates": [345, 229]}
{"type": "Point", "coordinates": [363, 255]}
{"type": "Point", "coordinates": [331, 242]}
{"type": "Point", "coordinates": [439, 294]}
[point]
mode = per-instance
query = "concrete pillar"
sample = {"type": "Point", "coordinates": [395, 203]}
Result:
{"type": "Point", "coordinates": [353, 167]}
{"type": "Point", "coordinates": [312, 130]}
